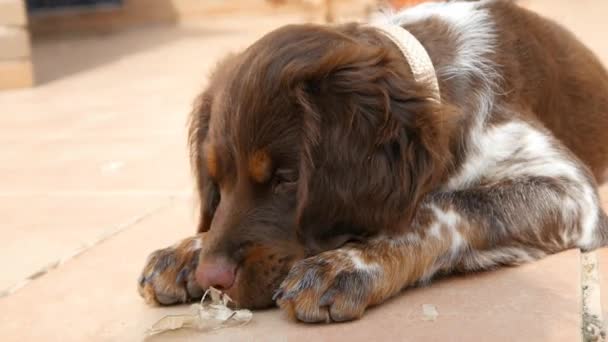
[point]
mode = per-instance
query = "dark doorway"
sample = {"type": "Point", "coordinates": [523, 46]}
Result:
{"type": "Point", "coordinates": [34, 6]}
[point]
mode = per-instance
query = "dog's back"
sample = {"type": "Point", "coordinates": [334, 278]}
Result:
{"type": "Point", "coordinates": [495, 54]}
{"type": "Point", "coordinates": [547, 69]}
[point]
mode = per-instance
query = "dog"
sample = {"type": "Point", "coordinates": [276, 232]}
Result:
{"type": "Point", "coordinates": [333, 171]}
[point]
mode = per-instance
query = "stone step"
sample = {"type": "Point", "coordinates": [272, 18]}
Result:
{"type": "Point", "coordinates": [16, 74]}
{"type": "Point", "coordinates": [12, 12]}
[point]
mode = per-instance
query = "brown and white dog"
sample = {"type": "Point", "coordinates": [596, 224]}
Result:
{"type": "Point", "coordinates": [330, 178]}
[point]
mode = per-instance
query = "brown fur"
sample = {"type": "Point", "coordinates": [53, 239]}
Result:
{"type": "Point", "coordinates": [260, 166]}
{"type": "Point", "coordinates": [550, 75]}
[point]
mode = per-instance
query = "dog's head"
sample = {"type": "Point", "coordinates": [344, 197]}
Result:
{"type": "Point", "coordinates": [312, 137]}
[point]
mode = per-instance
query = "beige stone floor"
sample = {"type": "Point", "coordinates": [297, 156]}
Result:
{"type": "Point", "coordinates": [94, 176]}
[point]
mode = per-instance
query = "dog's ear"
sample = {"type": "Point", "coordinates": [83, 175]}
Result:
{"type": "Point", "coordinates": [373, 139]}
{"type": "Point", "coordinates": [198, 128]}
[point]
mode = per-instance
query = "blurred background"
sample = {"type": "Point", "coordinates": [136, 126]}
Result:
{"type": "Point", "coordinates": [25, 21]}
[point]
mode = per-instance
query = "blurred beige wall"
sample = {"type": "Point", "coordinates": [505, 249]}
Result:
{"type": "Point", "coordinates": [15, 51]}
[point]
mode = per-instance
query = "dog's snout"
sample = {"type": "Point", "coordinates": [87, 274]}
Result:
{"type": "Point", "coordinates": [216, 272]}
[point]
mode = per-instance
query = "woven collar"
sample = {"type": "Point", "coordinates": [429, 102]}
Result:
{"type": "Point", "coordinates": [415, 54]}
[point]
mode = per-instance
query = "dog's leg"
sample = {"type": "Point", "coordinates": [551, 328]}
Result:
{"type": "Point", "coordinates": [504, 223]}
{"type": "Point", "coordinates": [168, 276]}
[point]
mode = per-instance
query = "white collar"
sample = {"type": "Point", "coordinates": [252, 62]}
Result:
{"type": "Point", "coordinates": [415, 54]}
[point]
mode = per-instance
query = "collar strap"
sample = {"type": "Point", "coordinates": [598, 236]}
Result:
{"type": "Point", "coordinates": [418, 59]}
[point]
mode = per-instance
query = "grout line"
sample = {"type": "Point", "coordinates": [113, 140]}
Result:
{"type": "Point", "coordinates": [593, 323]}
{"type": "Point", "coordinates": [82, 249]}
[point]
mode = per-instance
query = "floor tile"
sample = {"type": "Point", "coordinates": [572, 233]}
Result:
{"type": "Point", "coordinates": [93, 297]}
{"type": "Point", "coordinates": [97, 301]}
{"type": "Point", "coordinates": [39, 231]}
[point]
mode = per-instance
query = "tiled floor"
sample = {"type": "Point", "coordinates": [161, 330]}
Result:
{"type": "Point", "coordinates": [94, 176]}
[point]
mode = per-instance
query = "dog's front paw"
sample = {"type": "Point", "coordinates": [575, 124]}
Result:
{"type": "Point", "coordinates": [333, 286]}
{"type": "Point", "coordinates": [168, 277]}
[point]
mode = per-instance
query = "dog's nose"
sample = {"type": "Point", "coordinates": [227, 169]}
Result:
{"type": "Point", "coordinates": [217, 272]}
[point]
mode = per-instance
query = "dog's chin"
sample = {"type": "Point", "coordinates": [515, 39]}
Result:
{"type": "Point", "coordinates": [252, 299]}
{"type": "Point", "coordinates": [255, 292]}
{"type": "Point", "coordinates": [256, 302]}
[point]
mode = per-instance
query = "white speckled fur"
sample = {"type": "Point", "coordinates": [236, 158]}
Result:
{"type": "Point", "coordinates": [197, 244]}
{"type": "Point", "coordinates": [491, 149]}
{"type": "Point", "coordinates": [359, 264]}
{"type": "Point", "coordinates": [496, 152]}
{"type": "Point", "coordinates": [449, 220]}
{"type": "Point", "coordinates": [476, 41]}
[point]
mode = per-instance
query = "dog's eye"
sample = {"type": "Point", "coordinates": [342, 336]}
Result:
{"type": "Point", "coordinates": [283, 180]}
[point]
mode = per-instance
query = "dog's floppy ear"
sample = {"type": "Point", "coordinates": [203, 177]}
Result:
{"type": "Point", "coordinates": [373, 139]}
{"type": "Point", "coordinates": [198, 127]}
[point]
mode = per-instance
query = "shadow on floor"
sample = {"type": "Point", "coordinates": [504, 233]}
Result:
{"type": "Point", "coordinates": [61, 56]}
